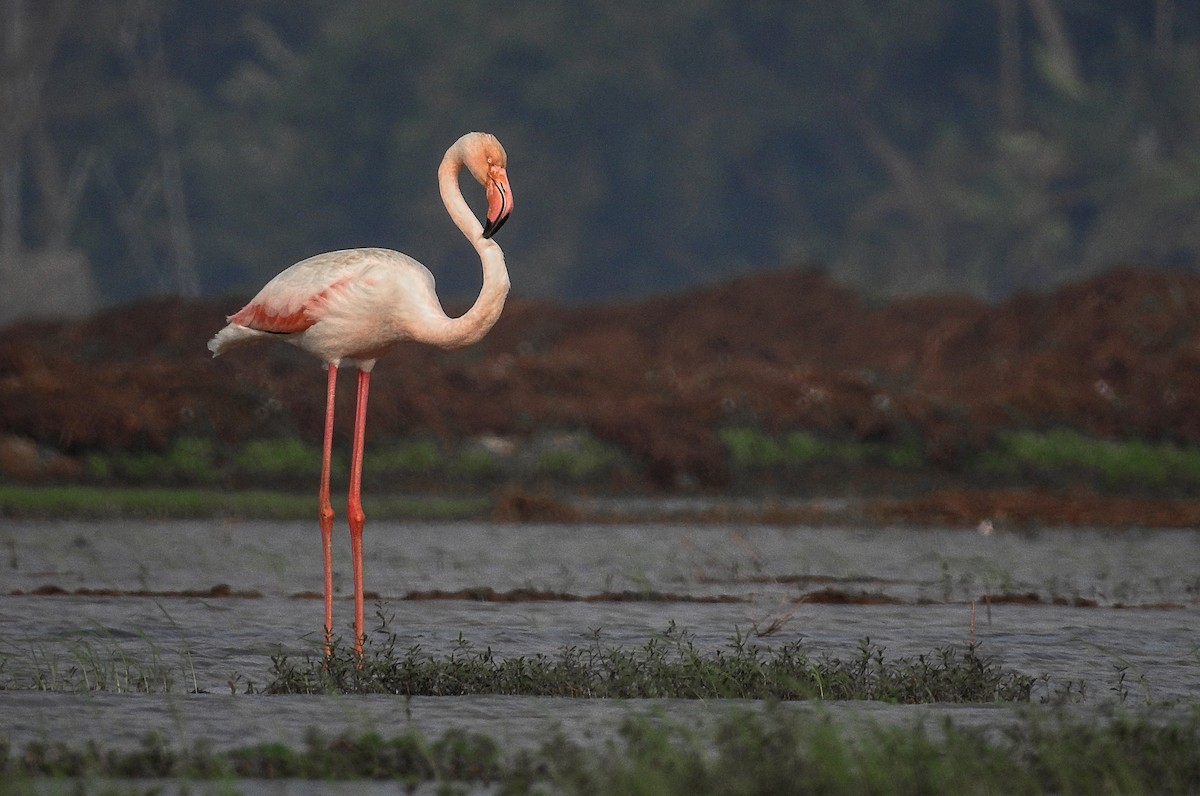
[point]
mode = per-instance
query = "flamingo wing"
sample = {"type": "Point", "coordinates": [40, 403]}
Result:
{"type": "Point", "coordinates": [295, 299]}
{"type": "Point", "coordinates": [282, 314]}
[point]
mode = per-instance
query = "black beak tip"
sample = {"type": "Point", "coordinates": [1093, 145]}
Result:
{"type": "Point", "coordinates": [493, 227]}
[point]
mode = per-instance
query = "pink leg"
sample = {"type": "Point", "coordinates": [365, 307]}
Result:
{"type": "Point", "coordinates": [325, 508]}
{"type": "Point", "coordinates": [354, 512]}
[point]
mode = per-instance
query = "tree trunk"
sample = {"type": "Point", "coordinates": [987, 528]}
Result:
{"type": "Point", "coordinates": [150, 73]}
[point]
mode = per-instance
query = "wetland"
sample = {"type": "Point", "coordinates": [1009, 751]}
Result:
{"type": "Point", "coordinates": [194, 635]}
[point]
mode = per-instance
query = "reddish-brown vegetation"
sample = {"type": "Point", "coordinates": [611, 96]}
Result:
{"type": "Point", "coordinates": [1115, 355]}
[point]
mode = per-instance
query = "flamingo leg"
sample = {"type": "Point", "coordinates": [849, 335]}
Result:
{"type": "Point", "coordinates": [324, 507]}
{"type": "Point", "coordinates": [354, 512]}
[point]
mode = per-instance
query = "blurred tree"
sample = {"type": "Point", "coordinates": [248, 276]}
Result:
{"type": "Point", "coordinates": [986, 145]}
{"type": "Point", "coordinates": [39, 199]}
{"type": "Point", "coordinates": [1069, 179]}
{"type": "Point", "coordinates": [140, 43]}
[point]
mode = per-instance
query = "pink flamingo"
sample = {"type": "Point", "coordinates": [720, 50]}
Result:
{"type": "Point", "coordinates": [354, 305]}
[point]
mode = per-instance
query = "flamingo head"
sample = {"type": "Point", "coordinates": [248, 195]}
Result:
{"type": "Point", "coordinates": [485, 158]}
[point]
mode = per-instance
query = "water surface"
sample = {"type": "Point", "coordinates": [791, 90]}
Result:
{"type": "Point", "coordinates": [1127, 601]}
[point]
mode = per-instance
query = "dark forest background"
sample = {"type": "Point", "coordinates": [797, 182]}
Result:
{"type": "Point", "coordinates": [985, 146]}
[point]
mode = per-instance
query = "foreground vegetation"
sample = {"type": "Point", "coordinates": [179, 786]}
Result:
{"type": "Point", "coordinates": [768, 748]}
{"type": "Point", "coordinates": [667, 667]}
{"type": "Point", "coordinates": [769, 751]}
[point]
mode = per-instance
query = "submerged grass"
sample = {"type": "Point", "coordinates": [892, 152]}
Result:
{"type": "Point", "coordinates": [668, 666]}
{"type": "Point", "coordinates": [768, 751]}
{"type": "Point", "coordinates": [93, 661]}
{"type": "Point", "coordinates": [100, 660]}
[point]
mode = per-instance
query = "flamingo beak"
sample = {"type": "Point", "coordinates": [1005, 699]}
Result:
{"type": "Point", "coordinates": [499, 200]}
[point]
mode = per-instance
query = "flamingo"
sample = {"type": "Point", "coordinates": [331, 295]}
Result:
{"type": "Point", "coordinates": [352, 306]}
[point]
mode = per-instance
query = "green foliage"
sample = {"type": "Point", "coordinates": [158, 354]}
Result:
{"type": "Point", "coordinates": [667, 666]}
{"type": "Point", "coordinates": [580, 457]}
{"type": "Point", "coordinates": [138, 467]}
{"type": "Point", "coordinates": [752, 451]}
{"type": "Point", "coordinates": [189, 460]}
{"type": "Point", "coordinates": [476, 464]}
{"type": "Point", "coordinates": [93, 661]}
{"type": "Point", "coordinates": [286, 457]}
{"type": "Point", "coordinates": [871, 136]}
{"type": "Point", "coordinates": [766, 748]}
{"type": "Point", "coordinates": [193, 460]}
{"type": "Point", "coordinates": [419, 457]}
{"type": "Point", "coordinates": [1064, 455]}
{"type": "Point", "coordinates": [773, 750]}
{"type": "Point", "coordinates": [1058, 457]}
{"type": "Point", "coordinates": [906, 455]}
{"type": "Point", "coordinates": [197, 461]}
{"type": "Point", "coordinates": [98, 466]}
{"type": "Point", "coordinates": [456, 756]}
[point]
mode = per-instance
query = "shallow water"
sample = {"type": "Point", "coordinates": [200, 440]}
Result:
{"type": "Point", "coordinates": [1143, 615]}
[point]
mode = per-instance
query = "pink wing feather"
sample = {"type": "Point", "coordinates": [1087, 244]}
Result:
{"type": "Point", "coordinates": [293, 301]}
{"type": "Point", "coordinates": [267, 316]}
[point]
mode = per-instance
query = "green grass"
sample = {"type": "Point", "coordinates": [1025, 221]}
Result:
{"type": "Point", "coordinates": [667, 666]}
{"type": "Point", "coordinates": [745, 751]}
{"type": "Point", "coordinates": [752, 451]}
{"type": "Point", "coordinates": [96, 660]}
{"type": "Point", "coordinates": [292, 462]}
{"type": "Point", "coordinates": [576, 458]}
{"type": "Point", "coordinates": [475, 465]}
{"type": "Point", "coordinates": [412, 457]}
{"type": "Point", "coordinates": [1058, 458]}
{"type": "Point", "coordinates": [769, 748]}
{"type": "Point", "coordinates": [184, 502]}
{"type": "Point", "coordinates": [271, 478]}
{"type": "Point", "coordinates": [1063, 455]}
{"type": "Point", "coordinates": [279, 458]}
{"type": "Point", "coordinates": [277, 479]}
{"type": "Point", "coordinates": [93, 662]}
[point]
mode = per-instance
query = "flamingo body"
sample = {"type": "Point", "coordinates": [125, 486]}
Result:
{"type": "Point", "coordinates": [354, 305]}
{"type": "Point", "coordinates": [345, 305]}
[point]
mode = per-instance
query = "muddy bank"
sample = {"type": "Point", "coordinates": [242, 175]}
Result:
{"type": "Point", "coordinates": [1117, 355]}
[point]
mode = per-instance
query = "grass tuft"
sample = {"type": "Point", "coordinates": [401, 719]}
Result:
{"type": "Point", "coordinates": [93, 661]}
{"type": "Point", "coordinates": [667, 666]}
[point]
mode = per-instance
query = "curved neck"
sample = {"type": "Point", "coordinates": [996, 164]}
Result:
{"type": "Point", "coordinates": [477, 321]}
{"type": "Point", "coordinates": [452, 196]}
